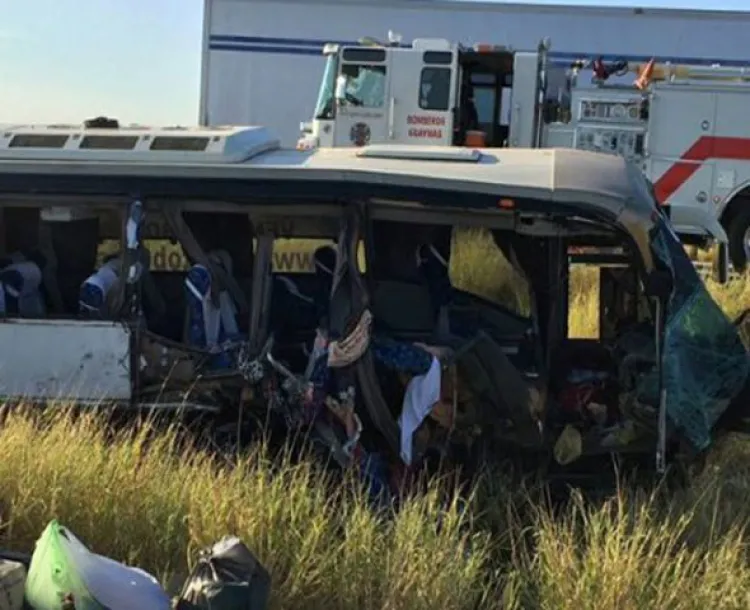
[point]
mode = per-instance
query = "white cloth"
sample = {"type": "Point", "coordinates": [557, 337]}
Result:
{"type": "Point", "coordinates": [422, 393]}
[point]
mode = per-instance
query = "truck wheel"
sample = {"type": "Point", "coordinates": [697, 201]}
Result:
{"type": "Point", "coordinates": [739, 240]}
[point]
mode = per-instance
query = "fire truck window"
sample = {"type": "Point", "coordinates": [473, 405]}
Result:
{"type": "Point", "coordinates": [365, 85]}
{"type": "Point", "coordinates": [438, 58]}
{"type": "Point", "coordinates": [356, 55]}
{"type": "Point", "coordinates": [435, 89]}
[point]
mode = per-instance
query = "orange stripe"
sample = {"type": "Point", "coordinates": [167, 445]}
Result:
{"type": "Point", "coordinates": [704, 148]}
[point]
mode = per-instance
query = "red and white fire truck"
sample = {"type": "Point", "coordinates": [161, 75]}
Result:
{"type": "Point", "coordinates": [687, 127]}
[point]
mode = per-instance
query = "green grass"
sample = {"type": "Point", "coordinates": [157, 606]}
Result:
{"type": "Point", "coordinates": [156, 503]}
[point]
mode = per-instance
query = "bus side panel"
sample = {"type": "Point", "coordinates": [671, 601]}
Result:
{"type": "Point", "coordinates": [76, 360]}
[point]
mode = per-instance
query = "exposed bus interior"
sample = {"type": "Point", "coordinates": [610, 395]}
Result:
{"type": "Point", "coordinates": [521, 376]}
{"type": "Point", "coordinates": [405, 266]}
{"type": "Point", "coordinates": [205, 310]}
{"type": "Point", "coordinates": [71, 259]}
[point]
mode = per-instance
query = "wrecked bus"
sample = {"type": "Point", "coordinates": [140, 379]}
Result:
{"type": "Point", "coordinates": [375, 350]}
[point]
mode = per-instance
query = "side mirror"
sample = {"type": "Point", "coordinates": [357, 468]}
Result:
{"type": "Point", "coordinates": [659, 284]}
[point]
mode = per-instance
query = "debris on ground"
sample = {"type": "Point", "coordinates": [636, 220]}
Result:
{"type": "Point", "coordinates": [227, 577]}
{"type": "Point", "coordinates": [63, 574]}
{"type": "Point", "coordinates": [12, 580]}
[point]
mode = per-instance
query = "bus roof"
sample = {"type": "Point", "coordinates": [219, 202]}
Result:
{"type": "Point", "coordinates": [253, 153]}
{"type": "Point", "coordinates": [248, 161]}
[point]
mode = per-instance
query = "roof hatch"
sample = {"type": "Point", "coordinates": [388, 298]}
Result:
{"type": "Point", "coordinates": [138, 144]}
{"type": "Point", "coordinates": [420, 153]}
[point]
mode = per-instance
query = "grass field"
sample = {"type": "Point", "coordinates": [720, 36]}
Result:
{"type": "Point", "coordinates": [156, 507]}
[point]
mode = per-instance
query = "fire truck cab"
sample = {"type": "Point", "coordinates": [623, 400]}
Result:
{"type": "Point", "coordinates": [432, 92]}
{"type": "Point", "coordinates": [684, 126]}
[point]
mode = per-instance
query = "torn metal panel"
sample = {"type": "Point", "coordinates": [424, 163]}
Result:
{"type": "Point", "coordinates": [76, 360]}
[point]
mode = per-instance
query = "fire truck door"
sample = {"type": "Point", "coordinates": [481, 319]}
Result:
{"type": "Point", "coordinates": [423, 87]}
{"type": "Point", "coordinates": [680, 151]}
{"type": "Point", "coordinates": [525, 124]}
{"type": "Point", "coordinates": [362, 97]}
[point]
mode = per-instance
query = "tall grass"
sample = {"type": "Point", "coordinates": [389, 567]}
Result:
{"type": "Point", "coordinates": [141, 500]}
{"type": "Point", "coordinates": [146, 499]}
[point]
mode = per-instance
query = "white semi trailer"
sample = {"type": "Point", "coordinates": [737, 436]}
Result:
{"type": "Point", "coordinates": [263, 59]}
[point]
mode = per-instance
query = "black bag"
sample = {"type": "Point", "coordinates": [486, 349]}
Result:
{"type": "Point", "coordinates": [227, 577]}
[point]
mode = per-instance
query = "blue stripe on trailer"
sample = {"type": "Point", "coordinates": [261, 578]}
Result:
{"type": "Point", "coordinates": [314, 46]}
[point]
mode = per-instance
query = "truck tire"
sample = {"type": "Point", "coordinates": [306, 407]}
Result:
{"type": "Point", "coordinates": [739, 239]}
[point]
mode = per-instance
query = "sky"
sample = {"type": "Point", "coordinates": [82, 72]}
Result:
{"type": "Point", "coordinates": [135, 60]}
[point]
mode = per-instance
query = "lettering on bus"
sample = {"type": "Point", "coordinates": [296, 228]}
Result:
{"type": "Point", "coordinates": [425, 126]}
{"type": "Point", "coordinates": [274, 227]}
{"type": "Point", "coordinates": [169, 257]}
{"type": "Point", "coordinates": [166, 256]}
{"type": "Point", "coordinates": [293, 262]}
{"type": "Point", "coordinates": [158, 228]}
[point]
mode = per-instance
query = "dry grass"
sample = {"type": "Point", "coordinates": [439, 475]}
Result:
{"type": "Point", "coordinates": [156, 505]}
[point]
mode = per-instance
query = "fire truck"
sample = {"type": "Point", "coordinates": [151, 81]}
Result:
{"type": "Point", "coordinates": [686, 126]}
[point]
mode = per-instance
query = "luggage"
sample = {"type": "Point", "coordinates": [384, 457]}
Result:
{"type": "Point", "coordinates": [227, 577]}
{"type": "Point", "coordinates": [12, 578]}
{"type": "Point", "coordinates": [65, 574]}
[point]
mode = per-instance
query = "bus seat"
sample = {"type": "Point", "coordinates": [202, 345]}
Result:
{"type": "Point", "coordinates": [21, 289]}
{"type": "Point", "coordinates": [210, 324]}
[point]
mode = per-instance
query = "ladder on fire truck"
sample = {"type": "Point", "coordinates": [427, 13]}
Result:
{"type": "Point", "coordinates": [653, 71]}
{"type": "Point", "coordinates": [680, 73]}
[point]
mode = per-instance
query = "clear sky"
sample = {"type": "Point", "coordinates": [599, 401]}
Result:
{"type": "Point", "coordinates": [136, 60]}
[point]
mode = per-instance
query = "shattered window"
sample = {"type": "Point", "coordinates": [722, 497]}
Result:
{"type": "Point", "coordinates": [583, 302]}
{"type": "Point", "coordinates": [365, 85]}
{"type": "Point", "coordinates": [479, 267]}
{"type": "Point", "coordinates": [705, 361]}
